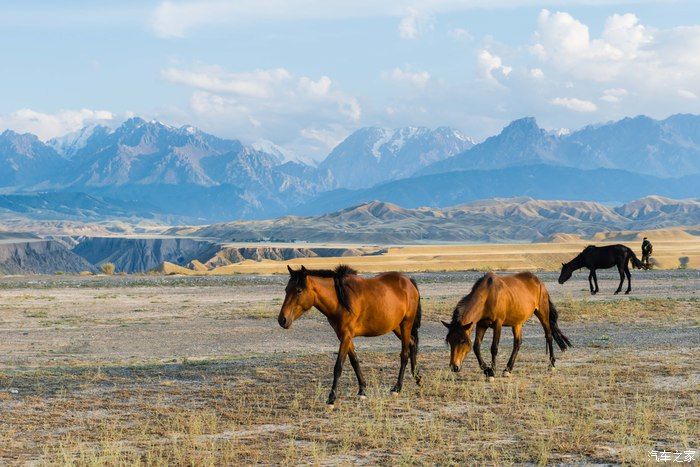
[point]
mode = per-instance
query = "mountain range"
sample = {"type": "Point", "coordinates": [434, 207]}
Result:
{"type": "Point", "coordinates": [151, 170]}
{"type": "Point", "coordinates": [497, 220]}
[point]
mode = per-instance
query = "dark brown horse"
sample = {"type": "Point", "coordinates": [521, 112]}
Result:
{"type": "Point", "coordinates": [603, 257]}
{"type": "Point", "coordinates": [497, 301]}
{"type": "Point", "coordinates": [357, 307]}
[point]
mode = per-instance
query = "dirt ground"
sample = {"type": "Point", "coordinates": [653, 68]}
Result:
{"type": "Point", "coordinates": [183, 370]}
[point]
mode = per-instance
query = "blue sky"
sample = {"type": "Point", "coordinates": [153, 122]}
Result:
{"type": "Point", "coordinates": [304, 74]}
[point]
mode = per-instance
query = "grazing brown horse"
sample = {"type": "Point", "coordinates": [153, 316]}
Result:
{"type": "Point", "coordinates": [497, 301]}
{"type": "Point", "coordinates": [357, 307]}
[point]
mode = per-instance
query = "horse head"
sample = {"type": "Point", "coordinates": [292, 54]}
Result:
{"type": "Point", "coordinates": [566, 272]}
{"type": "Point", "coordinates": [298, 298]}
{"type": "Point", "coordinates": [459, 338]}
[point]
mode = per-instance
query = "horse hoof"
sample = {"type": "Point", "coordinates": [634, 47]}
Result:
{"type": "Point", "coordinates": [627, 293]}
{"type": "Point", "coordinates": [361, 397]}
{"type": "Point", "coordinates": [394, 393]}
{"type": "Point", "coordinates": [330, 406]}
{"type": "Point", "coordinates": [490, 379]}
{"type": "Point", "coordinates": [506, 374]}
{"type": "Point", "coordinates": [552, 368]}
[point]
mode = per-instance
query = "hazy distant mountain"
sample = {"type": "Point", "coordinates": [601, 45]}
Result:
{"type": "Point", "coordinates": [25, 160]}
{"type": "Point", "coordinates": [537, 181]}
{"type": "Point", "coordinates": [666, 148]}
{"type": "Point", "coordinates": [184, 173]}
{"type": "Point", "coordinates": [374, 155]}
{"type": "Point", "coordinates": [515, 219]}
{"type": "Point", "coordinates": [522, 142]}
{"type": "Point", "coordinates": [69, 206]}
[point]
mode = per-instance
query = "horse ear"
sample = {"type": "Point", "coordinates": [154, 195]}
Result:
{"type": "Point", "coordinates": [563, 264]}
{"type": "Point", "coordinates": [446, 324]}
{"type": "Point", "coordinates": [467, 326]}
{"type": "Point", "coordinates": [290, 270]}
{"type": "Point", "coordinates": [303, 269]}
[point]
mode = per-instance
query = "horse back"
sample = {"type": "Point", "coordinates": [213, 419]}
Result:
{"type": "Point", "coordinates": [516, 296]}
{"type": "Point", "coordinates": [604, 257]}
{"type": "Point", "coordinates": [381, 302]}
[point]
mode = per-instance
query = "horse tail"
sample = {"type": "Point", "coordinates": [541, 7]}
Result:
{"type": "Point", "coordinates": [635, 261]}
{"type": "Point", "coordinates": [417, 319]}
{"type": "Point", "coordinates": [561, 340]}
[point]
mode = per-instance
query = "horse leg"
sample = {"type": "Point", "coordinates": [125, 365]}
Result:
{"type": "Point", "coordinates": [405, 350]}
{"type": "Point", "coordinates": [517, 340]}
{"type": "Point", "coordinates": [414, 364]}
{"type": "Point", "coordinates": [480, 331]}
{"type": "Point", "coordinates": [590, 282]}
{"type": "Point", "coordinates": [544, 321]}
{"type": "Point", "coordinates": [622, 278]}
{"type": "Point", "coordinates": [358, 372]}
{"type": "Point", "coordinates": [494, 347]}
{"type": "Point", "coordinates": [345, 346]}
{"type": "Point", "coordinates": [595, 279]}
{"type": "Point", "coordinates": [629, 279]}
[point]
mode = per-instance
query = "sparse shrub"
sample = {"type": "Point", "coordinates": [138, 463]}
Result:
{"type": "Point", "coordinates": [108, 268]}
{"type": "Point", "coordinates": [683, 262]}
{"type": "Point", "coordinates": [59, 273]}
{"type": "Point", "coordinates": [85, 273]}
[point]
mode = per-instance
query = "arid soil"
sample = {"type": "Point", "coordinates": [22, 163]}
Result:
{"type": "Point", "coordinates": [163, 370]}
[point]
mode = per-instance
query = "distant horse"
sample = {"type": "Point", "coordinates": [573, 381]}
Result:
{"type": "Point", "coordinates": [497, 301]}
{"type": "Point", "coordinates": [357, 307]}
{"type": "Point", "coordinates": [603, 257]}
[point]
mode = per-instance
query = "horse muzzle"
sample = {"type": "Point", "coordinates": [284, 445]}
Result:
{"type": "Point", "coordinates": [284, 322]}
{"type": "Point", "coordinates": [454, 367]}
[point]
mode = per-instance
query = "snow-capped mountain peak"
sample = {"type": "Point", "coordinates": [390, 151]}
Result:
{"type": "Point", "coordinates": [386, 154]}
{"type": "Point", "coordinates": [68, 144]}
{"type": "Point", "coordinates": [281, 153]}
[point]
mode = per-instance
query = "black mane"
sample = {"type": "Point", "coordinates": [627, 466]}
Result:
{"type": "Point", "coordinates": [460, 305]}
{"type": "Point", "coordinates": [338, 274]}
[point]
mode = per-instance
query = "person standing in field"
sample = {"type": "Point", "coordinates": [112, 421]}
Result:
{"type": "Point", "coordinates": [646, 252]}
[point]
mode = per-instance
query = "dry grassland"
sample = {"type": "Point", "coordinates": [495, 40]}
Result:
{"type": "Point", "coordinates": [482, 257]}
{"type": "Point", "coordinates": [195, 371]}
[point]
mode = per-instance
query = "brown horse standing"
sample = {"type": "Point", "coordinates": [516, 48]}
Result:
{"type": "Point", "coordinates": [357, 307]}
{"type": "Point", "coordinates": [497, 301]}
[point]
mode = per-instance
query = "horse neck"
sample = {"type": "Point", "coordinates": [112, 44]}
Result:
{"type": "Point", "coordinates": [474, 309]}
{"type": "Point", "coordinates": [325, 297]}
{"type": "Point", "coordinates": [576, 263]}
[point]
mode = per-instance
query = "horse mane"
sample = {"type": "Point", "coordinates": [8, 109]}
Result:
{"type": "Point", "coordinates": [459, 308]}
{"type": "Point", "coordinates": [338, 275]}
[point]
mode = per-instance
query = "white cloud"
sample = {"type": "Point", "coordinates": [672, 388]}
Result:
{"type": "Point", "coordinates": [415, 78]}
{"type": "Point", "coordinates": [175, 18]}
{"type": "Point", "coordinates": [328, 138]}
{"type": "Point", "coordinates": [317, 88]}
{"type": "Point", "coordinates": [460, 34]}
{"type": "Point", "coordinates": [626, 51]}
{"type": "Point", "coordinates": [51, 125]}
{"type": "Point", "coordinates": [687, 94]}
{"type": "Point", "coordinates": [414, 24]}
{"type": "Point", "coordinates": [272, 104]}
{"type": "Point", "coordinates": [613, 95]}
{"type": "Point", "coordinates": [536, 73]}
{"type": "Point", "coordinates": [572, 103]}
{"type": "Point", "coordinates": [491, 66]}
{"type": "Point", "coordinates": [259, 83]}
